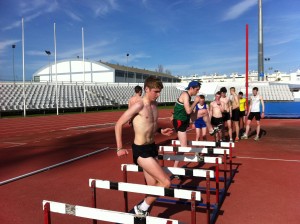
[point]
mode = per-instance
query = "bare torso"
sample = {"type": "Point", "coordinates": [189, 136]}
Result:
{"type": "Point", "coordinates": [235, 101]}
{"type": "Point", "coordinates": [145, 123]}
{"type": "Point", "coordinates": [216, 110]}
{"type": "Point", "coordinates": [226, 101]}
{"type": "Point", "coordinates": [134, 99]}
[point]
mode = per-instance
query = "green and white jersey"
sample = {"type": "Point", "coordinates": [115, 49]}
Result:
{"type": "Point", "coordinates": [179, 111]}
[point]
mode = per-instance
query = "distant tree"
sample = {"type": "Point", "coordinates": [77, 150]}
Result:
{"type": "Point", "coordinates": [167, 71]}
{"type": "Point", "coordinates": [160, 69]}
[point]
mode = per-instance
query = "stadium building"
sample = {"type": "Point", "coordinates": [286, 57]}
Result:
{"type": "Point", "coordinates": [69, 71]}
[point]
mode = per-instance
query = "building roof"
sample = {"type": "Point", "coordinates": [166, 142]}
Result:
{"type": "Point", "coordinates": [138, 70]}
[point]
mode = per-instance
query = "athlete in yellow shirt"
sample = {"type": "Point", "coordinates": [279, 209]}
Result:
{"type": "Point", "coordinates": [243, 107]}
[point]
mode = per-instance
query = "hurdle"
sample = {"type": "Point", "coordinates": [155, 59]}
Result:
{"type": "Point", "coordinates": [202, 173]}
{"type": "Point", "coordinates": [192, 196]}
{"type": "Point", "coordinates": [99, 214]}
{"type": "Point", "coordinates": [192, 158]}
{"type": "Point", "coordinates": [207, 174]}
{"type": "Point", "coordinates": [212, 150]}
{"type": "Point", "coordinates": [206, 143]}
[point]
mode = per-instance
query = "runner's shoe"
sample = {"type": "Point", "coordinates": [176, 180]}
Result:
{"type": "Point", "coordinates": [256, 138]}
{"type": "Point", "coordinates": [244, 136]}
{"type": "Point", "coordinates": [175, 176]}
{"type": "Point", "coordinates": [139, 212]}
{"type": "Point", "coordinates": [231, 140]}
{"type": "Point", "coordinates": [237, 139]}
{"type": "Point", "coordinates": [214, 131]}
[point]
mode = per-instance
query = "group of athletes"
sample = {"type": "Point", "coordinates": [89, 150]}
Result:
{"type": "Point", "coordinates": [142, 114]}
{"type": "Point", "coordinates": [228, 111]}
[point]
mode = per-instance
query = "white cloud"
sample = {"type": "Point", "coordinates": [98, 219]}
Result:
{"type": "Point", "coordinates": [238, 9]}
{"type": "Point", "coordinates": [26, 9]}
{"type": "Point", "coordinates": [104, 7]}
{"type": "Point", "coordinates": [7, 43]}
{"type": "Point", "coordinates": [73, 16]}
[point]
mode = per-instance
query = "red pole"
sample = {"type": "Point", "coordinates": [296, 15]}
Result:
{"type": "Point", "coordinates": [208, 196]}
{"type": "Point", "coordinates": [193, 208]}
{"type": "Point", "coordinates": [247, 63]}
{"type": "Point", "coordinates": [225, 171]}
{"type": "Point", "coordinates": [47, 219]}
{"type": "Point", "coordinates": [125, 192]}
{"type": "Point", "coordinates": [217, 181]}
{"type": "Point", "coordinates": [94, 202]}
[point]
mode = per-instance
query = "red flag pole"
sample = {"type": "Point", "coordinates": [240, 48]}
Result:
{"type": "Point", "coordinates": [247, 63]}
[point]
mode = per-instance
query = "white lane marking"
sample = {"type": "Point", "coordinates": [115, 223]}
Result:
{"type": "Point", "coordinates": [269, 159]}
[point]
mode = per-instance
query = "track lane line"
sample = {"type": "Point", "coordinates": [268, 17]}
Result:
{"type": "Point", "coordinates": [269, 159]}
{"type": "Point", "coordinates": [51, 167]}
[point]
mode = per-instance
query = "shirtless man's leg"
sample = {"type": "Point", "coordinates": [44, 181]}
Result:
{"type": "Point", "coordinates": [154, 175]}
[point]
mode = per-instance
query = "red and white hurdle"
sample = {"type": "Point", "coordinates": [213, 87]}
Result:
{"type": "Point", "coordinates": [99, 214]}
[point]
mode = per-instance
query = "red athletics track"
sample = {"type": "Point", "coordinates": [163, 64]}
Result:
{"type": "Point", "coordinates": [264, 190]}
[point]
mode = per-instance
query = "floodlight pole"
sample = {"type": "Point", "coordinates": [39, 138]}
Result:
{"type": "Point", "coordinates": [48, 53]}
{"type": "Point", "coordinates": [83, 63]}
{"type": "Point", "coordinates": [13, 47]}
{"type": "Point", "coordinates": [23, 64]}
{"type": "Point", "coordinates": [127, 55]}
{"type": "Point", "coordinates": [56, 86]}
{"type": "Point", "coordinates": [260, 43]}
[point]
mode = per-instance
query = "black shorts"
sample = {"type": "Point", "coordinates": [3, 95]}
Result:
{"type": "Point", "coordinates": [254, 114]}
{"type": "Point", "coordinates": [215, 121]}
{"type": "Point", "coordinates": [235, 114]}
{"type": "Point", "coordinates": [242, 114]}
{"type": "Point", "coordinates": [144, 151]}
{"type": "Point", "coordinates": [226, 116]}
{"type": "Point", "coordinates": [181, 125]}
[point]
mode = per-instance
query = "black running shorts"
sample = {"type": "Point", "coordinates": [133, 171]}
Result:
{"type": "Point", "coordinates": [144, 151]}
{"type": "Point", "coordinates": [215, 121]}
{"type": "Point", "coordinates": [235, 114]}
{"type": "Point", "coordinates": [226, 116]}
{"type": "Point", "coordinates": [181, 125]}
{"type": "Point", "coordinates": [254, 114]}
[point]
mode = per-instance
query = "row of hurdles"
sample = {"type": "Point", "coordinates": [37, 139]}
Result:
{"type": "Point", "coordinates": [214, 153]}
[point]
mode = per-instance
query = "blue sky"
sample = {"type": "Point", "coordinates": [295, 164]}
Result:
{"type": "Point", "coordinates": [185, 36]}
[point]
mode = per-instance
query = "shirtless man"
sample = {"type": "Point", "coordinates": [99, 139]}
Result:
{"type": "Point", "coordinates": [254, 111]}
{"type": "Point", "coordinates": [144, 150]}
{"type": "Point", "coordinates": [216, 109]}
{"type": "Point", "coordinates": [235, 117]}
{"type": "Point", "coordinates": [137, 96]}
{"type": "Point", "coordinates": [226, 114]}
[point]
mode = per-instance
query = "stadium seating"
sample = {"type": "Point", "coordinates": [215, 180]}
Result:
{"type": "Point", "coordinates": [42, 96]}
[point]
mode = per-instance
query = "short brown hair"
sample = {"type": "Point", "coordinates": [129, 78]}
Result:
{"type": "Point", "coordinates": [138, 89]}
{"type": "Point", "coordinates": [202, 97]}
{"type": "Point", "coordinates": [153, 82]}
{"type": "Point", "coordinates": [232, 88]}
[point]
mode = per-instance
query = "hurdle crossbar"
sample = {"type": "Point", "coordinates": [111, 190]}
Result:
{"type": "Point", "coordinates": [211, 151]}
{"type": "Point", "coordinates": [99, 214]}
{"type": "Point", "coordinates": [185, 158]}
{"type": "Point", "coordinates": [146, 189]}
{"type": "Point", "coordinates": [206, 143]}
{"type": "Point", "coordinates": [207, 174]}
{"type": "Point", "coordinates": [173, 170]}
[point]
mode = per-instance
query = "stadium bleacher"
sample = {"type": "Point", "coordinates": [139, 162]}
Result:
{"type": "Point", "coordinates": [42, 96]}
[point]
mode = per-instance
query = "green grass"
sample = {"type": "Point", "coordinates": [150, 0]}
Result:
{"type": "Point", "coordinates": [62, 112]}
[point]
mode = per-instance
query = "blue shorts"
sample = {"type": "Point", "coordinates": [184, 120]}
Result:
{"type": "Point", "coordinates": [199, 123]}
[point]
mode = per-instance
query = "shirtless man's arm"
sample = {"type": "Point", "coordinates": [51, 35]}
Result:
{"type": "Point", "coordinates": [127, 115]}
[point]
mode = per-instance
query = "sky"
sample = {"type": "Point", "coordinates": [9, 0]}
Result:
{"type": "Point", "coordinates": [186, 37]}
